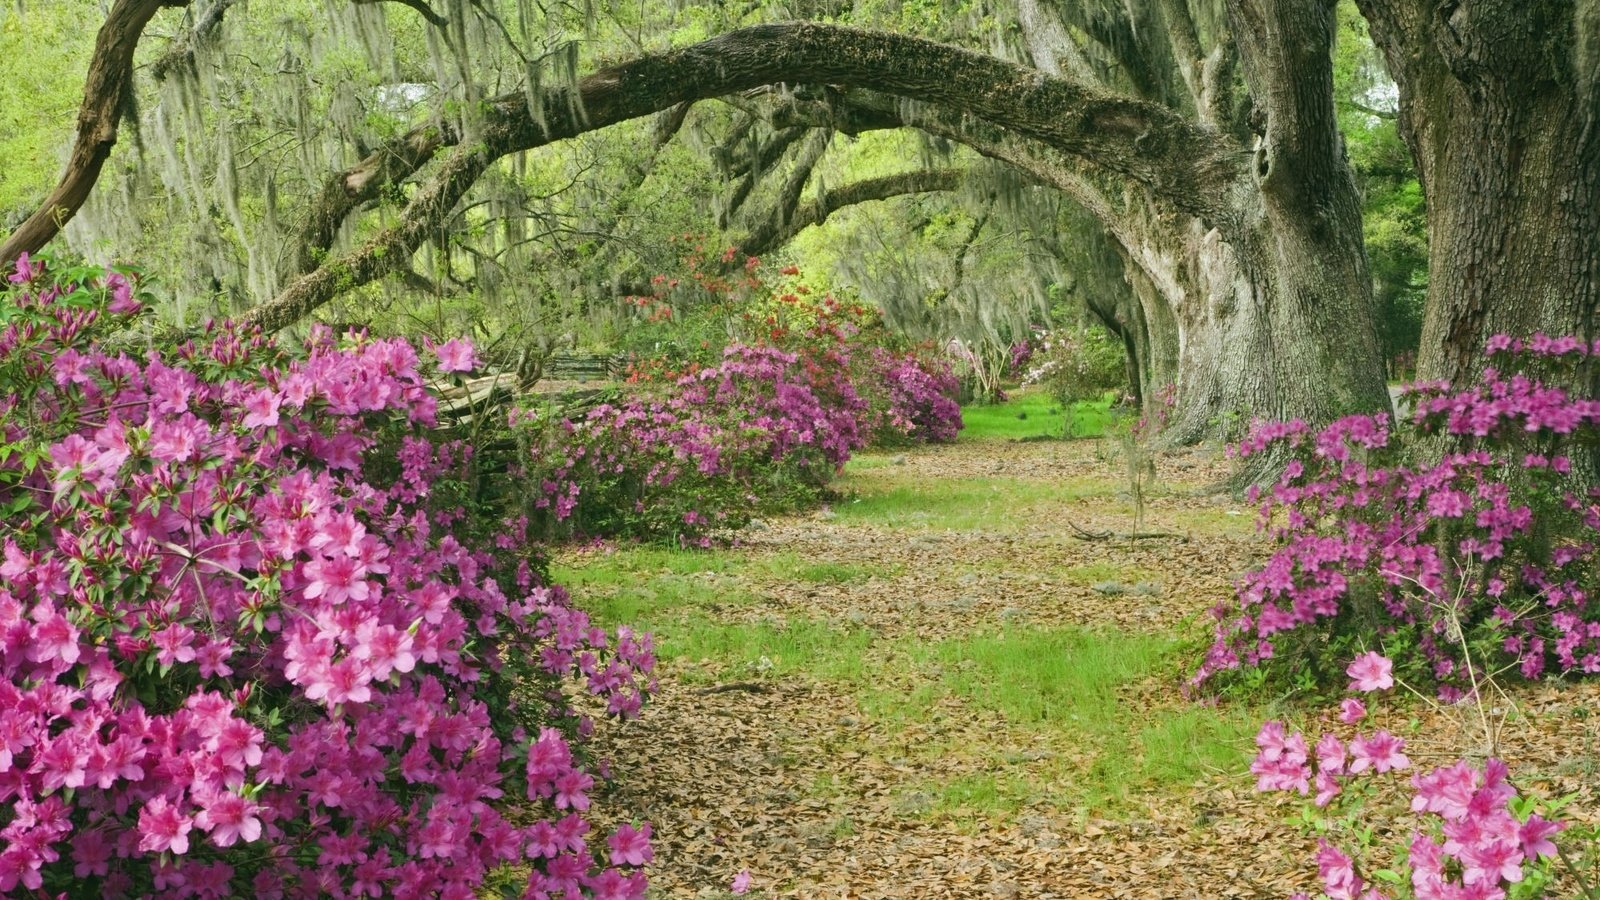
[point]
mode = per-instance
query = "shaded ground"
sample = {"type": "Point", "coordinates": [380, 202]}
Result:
{"type": "Point", "coordinates": [936, 688]}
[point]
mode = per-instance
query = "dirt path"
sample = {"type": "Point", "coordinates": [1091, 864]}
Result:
{"type": "Point", "coordinates": [821, 787]}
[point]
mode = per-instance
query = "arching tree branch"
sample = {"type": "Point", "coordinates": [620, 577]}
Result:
{"type": "Point", "coordinates": [770, 235]}
{"type": "Point", "coordinates": [1188, 166]}
{"type": "Point", "coordinates": [105, 92]}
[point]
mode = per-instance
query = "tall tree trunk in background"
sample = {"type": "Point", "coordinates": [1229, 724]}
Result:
{"type": "Point", "coordinates": [1301, 331]}
{"type": "Point", "coordinates": [1272, 303]}
{"type": "Point", "coordinates": [105, 95]}
{"type": "Point", "coordinates": [1500, 104]}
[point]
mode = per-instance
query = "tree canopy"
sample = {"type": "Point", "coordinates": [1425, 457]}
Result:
{"type": "Point", "coordinates": [1234, 179]}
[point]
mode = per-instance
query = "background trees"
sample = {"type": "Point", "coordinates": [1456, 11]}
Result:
{"type": "Point", "coordinates": [434, 165]}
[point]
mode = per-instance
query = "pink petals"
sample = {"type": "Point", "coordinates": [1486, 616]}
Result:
{"type": "Point", "coordinates": [1371, 671]}
{"type": "Point", "coordinates": [233, 640]}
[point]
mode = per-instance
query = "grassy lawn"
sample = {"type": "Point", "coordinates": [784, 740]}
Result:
{"type": "Point", "coordinates": [1030, 414]}
{"type": "Point", "coordinates": [888, 497]}
{"type": "Point", "coordinates": [1073, 694]}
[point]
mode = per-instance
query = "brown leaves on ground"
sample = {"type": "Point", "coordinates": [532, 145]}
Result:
{"type": "Point", "coordinates": [790, 778]}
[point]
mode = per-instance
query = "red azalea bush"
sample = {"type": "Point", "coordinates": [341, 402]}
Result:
{"type": "Point", "coordinates": [252, 627]}
{"type": "Point", "coordinates": [1491, 545]}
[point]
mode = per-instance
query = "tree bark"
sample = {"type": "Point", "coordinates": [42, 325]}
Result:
{"type": "Point", "coordinates": [105, 94]}
{"type": "Point", "coordinates": [1500, 105]}
{"type": "Point", "coordinates": [1184, 164]}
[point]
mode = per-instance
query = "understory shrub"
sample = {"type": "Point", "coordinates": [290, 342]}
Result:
{"type": "Point", "coordinates": [1074, 364]}
{"type": "Point", "coordinates": [760, 424]}
{"type": "Point", "coordinates": [258, 638]}
{"type": "Point", "coordinates": [1475, 526]}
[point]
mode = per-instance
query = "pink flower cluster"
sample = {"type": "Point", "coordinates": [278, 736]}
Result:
{"type": "Point", "coordinates": [1479, 846]}
{"type": "Point", "coordinates": [251, 642]}
{"type": "Point", "coordinates": [763, 428]}
{"type": "Point", "coordinates": [920, 405]}
{"type": "Point", "coordinates": [1495, 535]}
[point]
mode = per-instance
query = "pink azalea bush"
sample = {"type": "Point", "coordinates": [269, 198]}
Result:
{"type": "Point", "coordinates": [708, 450]}
{"type": "Point", "coordinates": [256, 638]}
{"type": "Point", "coordinates": [761, 426]}
{"type": "Point", "coordinates": [1490, 543]}
{"type": "Point", "coordinates": [1476, 838]}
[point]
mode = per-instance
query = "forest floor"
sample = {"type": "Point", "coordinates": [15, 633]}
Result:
{"type": "Point", "coordinates": [938, 687]}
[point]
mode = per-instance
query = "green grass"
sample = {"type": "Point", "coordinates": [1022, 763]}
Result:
{"type": "Point", "coordinates": [799, 647]}
{"type": "Point", "coordinates": [790, 566]}
{"type": "Point", "coordinates": [676, 594]}
{"type": "Point", "coordinates": [1067, 689]}
{"type": "Point", "coordinates": [962, 504]}
{"type": "Point", "coordinates": [1060, 677]}
{"type": "Point", "coordinates": [1032, 415]}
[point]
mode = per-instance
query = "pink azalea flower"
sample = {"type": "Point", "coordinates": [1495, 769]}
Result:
{"type": "Point", "coordinates": [1330, 755]}
{"type": "Point", "coordinates": [1371, 672]}
{"type": "Point", "coordinates": [741, 882]}
{"type": "Point", "coordinates": [631, 847]}
{"type": "Point", "coordinates": [230, 819]}
{"type": "Point", "coordinates": [261, 408]}
{"type": "Point", "coordinates": [162, 829]}
{"type": "Point", "coordinates": [1339, 878]}
{"type": "Point", "coordinates": [1491, 862]}
{"type": "Point", "coordinates": [1380, 752]}
{"type": "Point", "coordinates": [1352, 710]}
{"type": "Point", "coordinates": [456, 355]}
{"type": "Point", "coordinates": [1535, 835]}
{"type": "Point", "coordinates": [1327, 788]}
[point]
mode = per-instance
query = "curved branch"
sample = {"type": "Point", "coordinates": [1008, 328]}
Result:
{"type": "Point", "coordinates": [771, 235]}
{"type": "Point", "coordinates": [395, 160]}
{"type": "Point", "coordinates": [422, 9]}
{"type": "Point", "coordinates": [105, 92]}
{"type": "Point", "coordinates": [1190, 167]}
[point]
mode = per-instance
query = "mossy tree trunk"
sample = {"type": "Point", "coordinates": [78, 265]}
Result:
{"type": "Point", "coordinates": [1500, 105]}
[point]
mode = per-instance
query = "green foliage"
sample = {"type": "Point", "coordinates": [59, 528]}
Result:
{"type": "Point", "coordinates": [1078, 363]}
{"type": "Point", "coordinates": [1394, 216]}
{"type": "Point", "coordinates": [1032, 415]}
{"type": "Point", "coordinates": [44, 53]}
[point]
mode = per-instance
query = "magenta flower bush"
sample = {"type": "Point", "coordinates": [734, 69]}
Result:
{"type": "Point", "coordinates": [763, 430]}
{"type": "Point", "coordinates": [919, 399]}
{"type": "Point", "coordinates": [257, 638]}
{"type": "Point", "coordinates": [1476, 837]}
{"type": "Point", "coordinates": [1491, 544]}
{"type": "Point", "coordinates": [706, 451]}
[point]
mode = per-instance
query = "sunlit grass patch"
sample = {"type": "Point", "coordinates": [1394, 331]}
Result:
{"type": "Point", "coordinates": [980, 795]}
{"type": "Point", "coordinates": [1072, 691]}
{"type": "Point", "coordinates": [959, 504]}
{"type": "Point", "coordinates": [1064, 676]}
{"type": "Point", "coordinates": [1032, 415]}
{"type": "Point", "coordinates": [791, 566]}
{"type": "Point", "coordinates": [645, 586]}
{"type": "Point", "coordinates": [799, 647]}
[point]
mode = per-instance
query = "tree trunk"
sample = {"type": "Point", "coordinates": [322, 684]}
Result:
{"type": "Point", "coordinates": [105, 94]}
{"type": "Point", "coordinates": [1500, 104]}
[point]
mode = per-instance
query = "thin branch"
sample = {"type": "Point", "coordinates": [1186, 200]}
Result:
{"type": "Point", "coordinates": [423, 10]}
